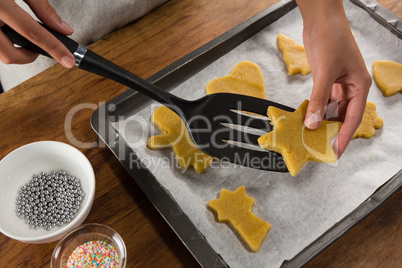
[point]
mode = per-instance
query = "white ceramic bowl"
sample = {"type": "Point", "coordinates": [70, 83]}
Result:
{"type": "Point", "coordinates": [18, 167]}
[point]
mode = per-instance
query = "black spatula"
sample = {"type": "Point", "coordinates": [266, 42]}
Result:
{"type": "Point", "coordinates": [220, 125]}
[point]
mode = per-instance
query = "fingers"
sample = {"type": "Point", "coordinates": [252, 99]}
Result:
{"type": "Point", "coordinates": [10, 54]}
{"type": "Point", "coordinates": [353, 117]}
{"type": "Point", "coordinates": [337, 104]}
{"type": "Point", "coordinates": [336, 111]}
{"type": "Point", "coordinates": [45, 12]}
{"type": "Point", "coordinates": [318, 101]}
{"type": "Point", "coordinates": [14, 16]}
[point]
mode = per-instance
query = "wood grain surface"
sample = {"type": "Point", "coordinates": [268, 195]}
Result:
{"type": "Point", "coordinates": [38, 110]}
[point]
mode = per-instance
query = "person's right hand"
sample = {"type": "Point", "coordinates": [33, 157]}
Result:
{"type": "Point", "coordinates": [339, 72]}
{"type": "Point", "coordinates": [15, 17]}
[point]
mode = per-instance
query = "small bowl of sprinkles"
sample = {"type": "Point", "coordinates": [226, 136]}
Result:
{"type": "Point", "coordinates": [90, 245]}
{"type": "Point", "coordinates": [46, 189]}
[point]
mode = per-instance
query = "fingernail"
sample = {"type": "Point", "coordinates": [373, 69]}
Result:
{"type": "Point", "coordinates": [68, 61]}
{"type": "Point", "coordinates": [313, 121]}
{"type": "Point", "coordinates": [66, 26]}
{"type": "Point", "coordinates": [336, 148]}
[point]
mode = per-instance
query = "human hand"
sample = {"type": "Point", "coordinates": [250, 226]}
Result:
{"type": "Point", "coordinates": [339, 72]}
{"type": "Point", "coordinates": [15, 17]}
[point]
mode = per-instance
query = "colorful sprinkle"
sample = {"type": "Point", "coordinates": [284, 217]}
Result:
{"type": "Point", "coordinates": [99, 254]}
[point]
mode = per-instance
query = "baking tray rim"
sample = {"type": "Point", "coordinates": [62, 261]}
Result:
{"type": "Point", "coordinates": [197, 244]}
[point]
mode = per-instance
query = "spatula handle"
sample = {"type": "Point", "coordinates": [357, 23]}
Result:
{"type": "Point", "coordinates": [18, 39]}
{"type": "Point", "coordinates": [90, 61]}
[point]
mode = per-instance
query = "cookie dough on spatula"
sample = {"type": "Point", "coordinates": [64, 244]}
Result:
{"type": "Point", "coordinates": [175, 135]}
{"type": "Point", "coordinates": [246, 78]}
{"type": "Point", "coordinates": [295, 142]}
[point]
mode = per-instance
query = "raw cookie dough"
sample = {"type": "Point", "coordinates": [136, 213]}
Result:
{"type": "Point", "coordinates": [235, 208]}
{"type": "Point", "coordinates": [294, 55]}
{"type": "Point", "coordinates": [370, 122]}
{"type": "Point", "coordinates": [388, 76]}
{"type": "Point", "coordinates": [246, 78]}
{"type": "Point", "coordinates": [296, 143]}
{"type": "Point", "coordinates": [175, 135]}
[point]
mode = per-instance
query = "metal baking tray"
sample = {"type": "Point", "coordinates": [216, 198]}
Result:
{"type": "Point", "coordinates": [382, 15]}
{"type": "Point", "coordinates": [129, 102]}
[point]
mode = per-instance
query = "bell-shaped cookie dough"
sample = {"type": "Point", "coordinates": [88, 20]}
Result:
{"type": "Point", "coordinates": [388, 76]}
{"type": "Point", "coordinates": [294, 55]}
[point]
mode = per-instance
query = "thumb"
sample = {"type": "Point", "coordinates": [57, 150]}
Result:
{"type": "Point", "coordinates": [318, 102]}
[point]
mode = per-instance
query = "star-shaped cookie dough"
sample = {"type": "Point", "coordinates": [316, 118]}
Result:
{"type": "Point", "coordinates": [175, 135]}
{"type": "Point", "coordinates": [370, 122]}
{"type": "Point", "coordinates": [388, 76]}
{"type": "Point", "coordinates": [294, 55]}
{"type": "Point", "coordinates": [235, 208]}
{"type": "Point", "coordinates": [295, 142]}
{"type": "Point", "coordinates": [246, 79]}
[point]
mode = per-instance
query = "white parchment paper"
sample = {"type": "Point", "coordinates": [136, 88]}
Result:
{"type": "Point", "coordinates": [300, 208]}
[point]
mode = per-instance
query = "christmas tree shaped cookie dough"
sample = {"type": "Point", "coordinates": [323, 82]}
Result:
{"type": "Point", "coordinates": [388, 76]}
{"type": "Point", "coordinates": [294, 55]}
{"type": "Point", "coordinates": [295, 142]}
{"type": "Point", "coordinates": [235, 208]}
{"type": "Point", "coordinates": [246, 78]}
{"type": "Point", "coordinates": [175, 135]}
{"type": "Point", "coordinates": [370, 122]}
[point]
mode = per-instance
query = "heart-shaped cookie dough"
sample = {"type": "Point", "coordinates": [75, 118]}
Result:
{"type": "Point", "coordinates": [246, 79]}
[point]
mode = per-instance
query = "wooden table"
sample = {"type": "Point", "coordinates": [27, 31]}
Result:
{"type": "Point", "coordinates": [36, 110]}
